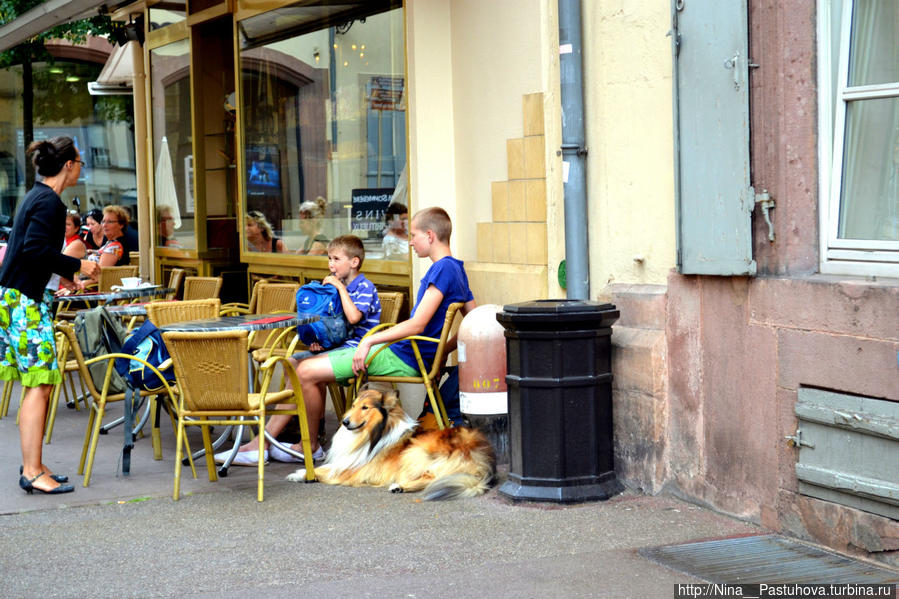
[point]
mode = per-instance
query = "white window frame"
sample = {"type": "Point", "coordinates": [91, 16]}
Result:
{"type": "Point", "coordinates": [843, 256]}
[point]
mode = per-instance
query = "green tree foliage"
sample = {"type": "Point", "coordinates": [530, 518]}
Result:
{"type": "Point", "coordinates": [34, 50]}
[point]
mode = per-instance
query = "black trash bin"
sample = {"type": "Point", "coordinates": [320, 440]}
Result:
{"type": "Point", "coordinates": [559, 376]}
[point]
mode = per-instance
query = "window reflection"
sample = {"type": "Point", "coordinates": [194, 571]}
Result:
{"type": "Point", "coordinates": [173, 152]}
{"type": "Point", "coordinates": [324, 126]}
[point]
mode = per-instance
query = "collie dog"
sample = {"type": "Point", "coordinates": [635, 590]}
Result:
{"type": "Point", "coordinates": [378, 445]}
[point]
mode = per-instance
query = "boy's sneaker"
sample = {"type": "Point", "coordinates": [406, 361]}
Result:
{"type": "Point", "coordinates": [243, 458]}
{"type": "Point", "coordinates": [279, 455]}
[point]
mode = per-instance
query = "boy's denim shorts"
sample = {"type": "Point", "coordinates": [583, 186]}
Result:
{"type": "Point", "coordinates": [385, 363]}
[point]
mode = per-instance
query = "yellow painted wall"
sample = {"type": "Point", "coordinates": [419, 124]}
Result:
{"type": "Point", "coordinates": [630, 180]}
{"type": "Point", "coordinates": [496, 61]}
{"type": "Point", "coordinates": [470, 64]}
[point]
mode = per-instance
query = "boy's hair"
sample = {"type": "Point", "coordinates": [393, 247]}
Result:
{"type": "Point", "coordinates": [435, 219]}
{"type": "Point", "coordinates": [351, 245]}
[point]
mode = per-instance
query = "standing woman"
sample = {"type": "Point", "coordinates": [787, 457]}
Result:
{"type": "Point", "coordinates": [94, 239]}
{"type": "Point", "coordinates": [27, 351]}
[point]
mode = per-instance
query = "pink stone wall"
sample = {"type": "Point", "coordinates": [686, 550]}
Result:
{"type": "Point", "coordinates": [738, 351]}
{"type": "Point", "coordinates": [784, 153]}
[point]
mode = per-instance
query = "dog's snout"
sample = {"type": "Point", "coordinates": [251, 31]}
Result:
{"type": "Point", "coordinates": [345, 421]}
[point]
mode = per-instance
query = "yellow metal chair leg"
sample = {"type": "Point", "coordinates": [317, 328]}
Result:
{"type": "Point", "coordinates": [21, 399]}
{"type": "Point", "coordinates": [92, 451]}
{"type": "Point", "coordinates": [4, 401]}
{"type": "Point", "coordinates": [51, 412]}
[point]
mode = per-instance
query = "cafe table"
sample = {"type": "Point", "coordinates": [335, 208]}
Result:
{"type": "Point", "coordinates": [243, 322]}
{"type": "Point", "coordinates": [116, 295]}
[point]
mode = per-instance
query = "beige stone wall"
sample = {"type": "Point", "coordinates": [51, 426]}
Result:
{"type": "Point", "coordinates": [630, 165]}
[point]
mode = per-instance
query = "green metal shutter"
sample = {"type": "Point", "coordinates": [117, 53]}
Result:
{"type": "Point", "coordinates": [711, 89]}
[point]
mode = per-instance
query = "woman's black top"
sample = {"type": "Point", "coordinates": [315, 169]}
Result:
{"type": "Point", "coordinates": [34, 253]}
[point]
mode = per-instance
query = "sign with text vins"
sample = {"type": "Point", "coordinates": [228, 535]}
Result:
{"type": "Point", "coordinates": [369, 208]}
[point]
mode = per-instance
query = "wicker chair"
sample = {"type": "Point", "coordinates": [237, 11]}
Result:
{"type": "Point", "coordinates": [176, 277]}
{"type": "Point", "coordinates": [202, 287]}
{"type": "Point", "coordinates": [429, 377]}
{"type": "Point", "coordinates": [391, 304]}
{"type": "Point", "coordinates": [68, 367]}
{"type": "Point", "coordinates": [163, 313]}
{"type": "Point", "coordinates": [100, 397]}
{"type": "Point", "coordinates": [211, 368]}
{"type": "Point", "coordinates": [232, 308]}
{"type": "Point", "coordinates": [113, 275]}
{"type": "Point", "coordinates": [271, 298]}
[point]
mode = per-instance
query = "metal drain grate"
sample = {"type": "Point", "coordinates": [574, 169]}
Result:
{"type": "Point", "coordinates": [765, 559]}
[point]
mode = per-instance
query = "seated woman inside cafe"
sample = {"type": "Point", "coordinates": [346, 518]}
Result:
{"type": "Point", "coordinates": [260, 237]}
{"type": "Point", "coordinates": [311, 215]}
{"type": "Point", "coordinates": [396, 235]}
{"type": "Point", "coordinates": [166, 230]}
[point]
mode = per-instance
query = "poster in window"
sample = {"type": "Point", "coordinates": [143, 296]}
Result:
{"type": "Point", "coordinates": [369, 208]}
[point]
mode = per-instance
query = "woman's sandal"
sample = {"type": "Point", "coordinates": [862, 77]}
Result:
{"type": "Point", "coordinates": [28, 486]}
{"type": "Point", "coordinates": [60, 478]}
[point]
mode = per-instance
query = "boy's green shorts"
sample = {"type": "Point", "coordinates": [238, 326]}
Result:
{"type": "Point", "coordinates": [385, 363]}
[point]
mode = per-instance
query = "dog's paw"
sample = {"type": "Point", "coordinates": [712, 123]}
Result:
{"type": "Point", "coordinates": [298, 476]}
{"type": "Point", "coordinates": [395, 488]}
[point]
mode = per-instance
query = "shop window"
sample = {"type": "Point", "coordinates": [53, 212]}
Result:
{"type": "Point", "coordinates": [168, 13]}
{"type": "Point", "coordinates": [859, 130]}
{"type": "Point", "coordinates": [173, 151]}
{"type": "Point", "coordinates": [101, 127]}
{"type": "Point", "coordinates": [323, 113]}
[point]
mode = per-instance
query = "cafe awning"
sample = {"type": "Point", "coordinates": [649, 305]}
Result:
{"type": "Point", "coordinates": [117, 75]}
{"type": "Point", "coordinates": [46, 15]}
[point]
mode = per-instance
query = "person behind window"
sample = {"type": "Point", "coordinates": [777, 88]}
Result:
{"type": "Point", "coordinates": [311, 215]}
{"type": "Point", "coordinates": [93, 238]}
{"type": "Point", "coordinates": [27, 345]}
{"type": "Point", "coordinates": [260, 237]}
{"type": "Point", "coordinates": [396, 236]}
{"type": "Point", "coordinates": [166, 231]}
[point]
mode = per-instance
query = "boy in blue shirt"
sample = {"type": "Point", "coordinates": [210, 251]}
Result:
{"type": "Point", "coordinates": [362, 308]}
{"type": "Point", "coordinates": [444, 283]}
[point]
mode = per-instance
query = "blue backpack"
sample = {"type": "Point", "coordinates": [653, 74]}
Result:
{"type": "Point", "coordinates": [324, 301]}
{"type": "Point", "coordinates": [145, 343]}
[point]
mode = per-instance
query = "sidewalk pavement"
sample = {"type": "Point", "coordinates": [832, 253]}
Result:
{"type": "Point", "coordinates": [126, 537]}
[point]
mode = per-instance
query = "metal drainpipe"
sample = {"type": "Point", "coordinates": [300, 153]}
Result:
{"type": "Point", "coordinates": [574, 154]}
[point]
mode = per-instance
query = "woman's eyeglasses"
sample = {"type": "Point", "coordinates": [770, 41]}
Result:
{"type": "Point", "coordinates": [106, 221]}
{"type": "Point", "coordinates": [81, 162]}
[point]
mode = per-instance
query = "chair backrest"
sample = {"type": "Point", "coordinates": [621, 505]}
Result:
{"type": "Point", "coordinates": [211, 369]}
{"type": "Point", "coordinates": [272, 298]}
{"type": "Point", "coordinates": [202, 287]}
{"type": "Point", "coordinates": [444, 336]}
{"type": "Point", "coordinates": [113, 275]}
{"type": "Point", "coordinates": [276, 297]}
{"type": "Point", "coordinates": [134, 258]}
{"type": "Point", "coordinates": [163, 313]}
{"type": "Point", "coordinates": [391, 303]}
{"type": "Point", "coordinates": [176, 277]}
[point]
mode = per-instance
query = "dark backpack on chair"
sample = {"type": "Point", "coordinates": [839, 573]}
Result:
{"type": "Point", "coordinates": [324, 301]}
{"type": "Point", "coordinates": [145, 343]}
{"type": "Point", "coordinates": [99, 333]}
